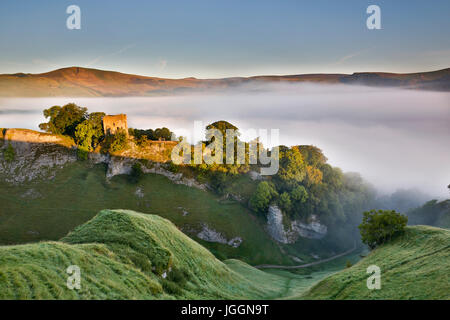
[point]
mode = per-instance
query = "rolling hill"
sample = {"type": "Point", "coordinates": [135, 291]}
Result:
{"type": "Point", "coordinates": [416, 265]}
{"type": "Point", "coordinates": [84, 82]}
{"type": "Point", "coordinates": [126, 255]}
{"type": "Point", "coordinates": [123, 254]}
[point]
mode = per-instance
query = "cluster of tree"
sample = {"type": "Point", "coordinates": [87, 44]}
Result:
{"type": "Point", "coordinates": [142, 136]}
{"type": "Point", "coordinates": [433, 213]}
{"type": "Point", "coordinates": [381, 226]}
{"type": "Point", "coordinates": [402, 200]}
{"type": "Point", "coordinates": [221, 175]}
{"type": "Point", "coordinates": [85, 128]}
{"type": "Point", "coordinates": [305, 184]}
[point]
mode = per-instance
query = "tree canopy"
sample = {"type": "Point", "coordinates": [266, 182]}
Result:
{"type": "Point", "coordinates": [381, 226]}
{"type": "Point", "coordinates": [64, 120]}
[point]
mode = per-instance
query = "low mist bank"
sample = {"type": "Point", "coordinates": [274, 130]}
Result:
{"type": "Point", "coordinates": [394, 138]}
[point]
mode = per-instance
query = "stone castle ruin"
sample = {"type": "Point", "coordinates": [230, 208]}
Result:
{"type": "Point", "coordinates": [114, 123]}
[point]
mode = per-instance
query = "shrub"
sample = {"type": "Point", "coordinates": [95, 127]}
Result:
{"type": "Point", "coordinates": [262, 197]}
{"type": "Point", "coordinates": [9, 154]}
{"type": "Point", "coordinates": [136, 173]}
{"type": "Point", "coordinates": [82, 154]}
{"type": "Point", "coordinates": [381, 226]}
{"type": "Point", "coordinates": [116, 142]}
{"type": "Point", "coordinates": [348, 264]}
{"type": "Point", "coordinates": [171, 287]}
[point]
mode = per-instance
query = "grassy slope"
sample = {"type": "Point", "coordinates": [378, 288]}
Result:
{"type": "Point", "coordinates": [48, 209]}
{"type": "Point", "coordinates": [416, 265]}
{"type": "Point", "coordinates": [116, 252]}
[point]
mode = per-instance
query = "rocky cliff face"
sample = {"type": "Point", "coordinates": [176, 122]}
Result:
{"type": "Point", "coordinates": [275, 227]}
{"type": "Point", "coordinates": [36, 155]}
{"type": "Point", "coordinates": [211, 235]}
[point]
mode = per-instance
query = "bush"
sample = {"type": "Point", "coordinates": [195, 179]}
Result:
{"type": "Point", "coordinates": [171, 287]}
{"type": "Point", "coordinates": [262, 197]}
{"type": "Point", "coordinates": [381, 226]}
{"type": "Point", "coordinates": [348, 264]}
{"type": "Point", "coordinates": [116, 142]}
{"type": "Point", "coordinates": [82, 154]}
{"type": "Point", "coordinates": [9, 154]}
{"type": "Point", "coordinates": [172, 167]}
{"type": "Point", "coordinates": [136, 173]}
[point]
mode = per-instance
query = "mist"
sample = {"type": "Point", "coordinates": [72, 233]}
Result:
{"type": "Point", "coordinates": [394, 138]}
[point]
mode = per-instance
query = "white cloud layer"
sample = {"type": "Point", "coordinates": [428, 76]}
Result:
{"type": "Point", "coordinates": [394, 138]}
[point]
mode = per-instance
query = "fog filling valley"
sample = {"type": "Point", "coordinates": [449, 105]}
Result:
{"type": "Point", "coordinates": [394, 138]}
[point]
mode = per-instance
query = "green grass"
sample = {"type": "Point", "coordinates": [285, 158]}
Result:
{"type": "Point", "coordinates": [415, 265]}
{"type": "Point", "coordinates": [79, 191]}
{"type": "Point", "coordinates": [123, 255]}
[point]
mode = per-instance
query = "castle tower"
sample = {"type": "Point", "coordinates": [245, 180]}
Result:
{"type": "Point", "coordinates": [113, 123]}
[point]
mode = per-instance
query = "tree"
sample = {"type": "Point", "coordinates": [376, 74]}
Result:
{"type": "Point", "coordinates": [262, 197]}
{"type": "Point", "coordinates": [380, 226]}
{"type": "Point", "coordinates": [163, 133]}
{"type": "Point", "coordinates": [96, 120]}
{"type": "Point", "coordinates": [313, 155]}
{"type": "Point", "coordinates": [64, 120]}
{"type": "Point", "coordinates": [83, 135]}
{"type": "Point", "coordinates": [285, 202]}
{"type": "Point", "coordinates": [223, 126]}
{"type": "Point", "coordinates": [299, 194]}
{"type": "Point", "coordinates": [292, 167]}
{"type": "Point", "coordinates": [90, 132]}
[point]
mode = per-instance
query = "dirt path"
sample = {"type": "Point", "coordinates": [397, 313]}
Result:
{"type": "Point", "coordinates": [273, 266]}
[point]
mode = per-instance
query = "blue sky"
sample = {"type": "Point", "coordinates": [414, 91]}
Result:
{"type": "Point", "coordinates": [210, 39]}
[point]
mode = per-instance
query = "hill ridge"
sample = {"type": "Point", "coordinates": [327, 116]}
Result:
{"type": "Point", "coordinates": [89, 82]}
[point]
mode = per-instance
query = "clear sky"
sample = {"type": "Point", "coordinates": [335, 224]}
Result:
{"type": "Point", "coordinates": [210, 39]}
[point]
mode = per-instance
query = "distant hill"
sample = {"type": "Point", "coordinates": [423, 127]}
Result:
{"type": "Point", "coordinates": [84, 82]}
{"type": "Point", "coordinates": [413, 266]}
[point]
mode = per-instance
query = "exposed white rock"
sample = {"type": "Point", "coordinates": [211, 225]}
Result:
{"type": "Point", "coordinates": [183, 211]}
{"type": "Point", "coordinates": [31, 194]}
{"type": "Point", "coordinates": [235, 242]}
{"type": "Point", "coordinates": [119, 165]}
{"type": "Point", "coordinates": [34, 160]}
{"type": "Point", "coordinates": [139, 192]}
{"type": "Point", "coordinates": [296, 259]}
{"type": "Point", "coordinates": [212, 235]}
{"type": "Point", "coordinates": [276, 228]}
{"type": "Point", "coordinates": [97, 157]}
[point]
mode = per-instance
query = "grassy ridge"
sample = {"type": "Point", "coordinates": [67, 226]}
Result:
{"type": "Point", "coordinates": [415, 265]}
{"type": "Point", "coordinates": [124, 255]}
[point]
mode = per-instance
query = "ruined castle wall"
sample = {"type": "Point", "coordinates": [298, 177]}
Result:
{"type": "Point", "coordinates": [111, 124]}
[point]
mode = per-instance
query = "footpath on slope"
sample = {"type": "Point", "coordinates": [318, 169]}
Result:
{"type": "Point", "coordinates": [273, 266]}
